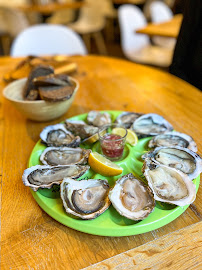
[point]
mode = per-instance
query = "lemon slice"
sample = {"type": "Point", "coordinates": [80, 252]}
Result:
{"type": "Point", "coordinates": [103, 165]}
{"type": "Point", "coordinates": [131, 137]}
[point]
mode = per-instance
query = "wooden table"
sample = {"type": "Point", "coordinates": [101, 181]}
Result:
{"type": "Point", "coordinates": [48, 9]}
{"type": "Point", "coordinates": [31, 239]}
{"type": "Point", "coordinates": [167, 29]}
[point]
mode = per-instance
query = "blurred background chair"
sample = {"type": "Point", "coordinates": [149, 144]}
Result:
{"type": "Point", "coordinates": [160, 12]}
{"type": "Point", "coordinates": [111, 16]}
{"type": "Point", "coordinates": [48, 39]}
{"type": "Point", "coordinates": [90, 24]}
{"type": "Point", "coordinates": [137, 47]}
{"type": "Point", "coordinates": [12, 22]}
{"type": "Point", "coordinates": [64, 16]}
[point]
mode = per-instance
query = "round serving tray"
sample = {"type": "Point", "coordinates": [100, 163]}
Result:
{"type": "Point", "coordinates": [110, 223]}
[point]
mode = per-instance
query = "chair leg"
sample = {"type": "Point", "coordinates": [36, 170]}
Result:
{"type": "Point", "coordinates": [100, 42]}
{"type": "Point", "coordinates": [6, 42]}
{"type": "Point", "coordinates": [87, 41]}
{"type": "Point", "coordinates": [109, 29]}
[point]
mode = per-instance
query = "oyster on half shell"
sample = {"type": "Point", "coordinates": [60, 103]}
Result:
{"type": "Point", "coordinates": [173, 138]}
{"type": "Point", "coordinates": [86, 199]}
{"type": "Point", "coordinates": [58, 135]}
{"type": "Point", "coordinates": [168, 184]}
{"type": "Point", "coordinates": [131, 198]}
{"type": "Point", "coordinates": [98, 119]}
{"type": "Point", "coordinates": [127, 118]}
{"type": "Point", "coordinates": [179, 158]}
{"type": "Point", "coordinates": [64, 156]}
{"type": "Point", "coordinates": [44, 176]}
{"type": "Point", "coordinates": [80, 128]}
{"type": "Point", "coordinates": [150, 125]}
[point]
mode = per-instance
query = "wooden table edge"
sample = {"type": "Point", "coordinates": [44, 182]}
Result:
{"type": "Point", "coordinates": [175, 240]}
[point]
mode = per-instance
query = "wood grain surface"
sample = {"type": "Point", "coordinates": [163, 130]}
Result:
{"type": "Point", "coordinates": [167, 29]}
{"type": "Point", "coordinates": [30, 239]}
{"type": "Point", "coordinates": [179, 250]}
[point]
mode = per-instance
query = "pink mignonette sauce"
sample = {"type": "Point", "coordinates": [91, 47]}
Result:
{"type": "Point", "coordinates": [112, 146]}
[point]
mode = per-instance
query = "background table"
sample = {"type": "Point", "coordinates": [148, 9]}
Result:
{"type": "Point", "coordinates": [167, 29]}
{"type": "Point", "coordinates": [30, 239]}
{"type": "Point", "coordinates": [48, 9]}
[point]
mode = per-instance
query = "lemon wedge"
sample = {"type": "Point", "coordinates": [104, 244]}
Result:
{"type": "Point", "coordinates": [131, 137]}
{"type": "Point", "coordinates": [103, 165]}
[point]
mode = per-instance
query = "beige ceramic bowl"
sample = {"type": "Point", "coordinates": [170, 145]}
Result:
{"type": "Point", "coordinates": [38, 110]}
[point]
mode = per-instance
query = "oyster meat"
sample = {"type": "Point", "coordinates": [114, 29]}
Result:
{"type": "Point", "coordinates": [80, 128]}
{"type": "Point", "coordinates": [98, 119]}
{"type": "Point", "coordinates": [64, 156]}
{"type": "Point", "coordinates": [86, 199]}
{"type": "Point", "coordinates": [131, 198]}
{"type": "Point", "coordinates": [150, 125]}
{"type": "Point", "coordinates": [179, 158]}
{"type": "Point", "coordinates": [44, 176]}
{"type": "Point", "coordinates": [58, 135]}
{"type": "Point", "coordinates": [173, 138]}
{"type": "Point", "coordinates": [168, 184]}
{"type": "Point", "coordinates": [127, 118]}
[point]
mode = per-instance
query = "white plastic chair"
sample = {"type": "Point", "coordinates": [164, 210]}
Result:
{"type": "Point", "coordinates": [48, 39]}
{"type": "Point", "coordinates": [90, 23]}
{"type": "Point", "coordinates": [137, 47]}
{"type": "Point", "coordinates": [160, 13]}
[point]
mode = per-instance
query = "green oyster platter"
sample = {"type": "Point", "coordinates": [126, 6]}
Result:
{"type": "Point", "coordinates": [109, 223]}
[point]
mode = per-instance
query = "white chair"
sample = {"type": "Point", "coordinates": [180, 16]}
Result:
{"type": "Point", "coordinates": [137, 47]}
{"type": "Point", "coordinates": [160, 12]}
{"type": "Point", "coordinates": [90, 23]}
{"type": "Point", "coordinates": [48, 39]}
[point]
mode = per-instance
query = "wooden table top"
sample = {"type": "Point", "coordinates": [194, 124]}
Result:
{"type": "Point", "coordinates": [31, 239]}
{"type": "Point", "coordinates": [50, 8]}
{"type": "Point", "coordinates": [167, 29]}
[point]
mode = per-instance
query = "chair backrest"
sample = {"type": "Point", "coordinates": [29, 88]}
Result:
{"type": "Point", "coordinates": [108, 9]}
{"type": "Point", "coordinates": [92, 13]}
{"type": "Point", "coordinates": [131, 19]}
{"type": "Point", "coordinates": [62, 16]}
{"type": "Point", "coordinates": [48, 39]}
{"type": "Point", "coordinates": [160, 12]}
{"type": "Point", "coordinates": [12, 21]}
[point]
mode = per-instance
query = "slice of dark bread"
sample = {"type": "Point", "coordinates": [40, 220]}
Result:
{"type": "Point", "coordinates": [56, 93]}
{"type": "Point", "coordinates": [52, 80]}
{"type": "Point", "coordinates": [40, 70]}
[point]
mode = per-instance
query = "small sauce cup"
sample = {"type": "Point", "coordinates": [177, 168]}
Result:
{"type": "Point", "coordinates": [112, 144]}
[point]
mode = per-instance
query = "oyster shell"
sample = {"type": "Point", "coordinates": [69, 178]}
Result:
{"type": "Point", "coordinates": [80, 128]}
{"type": "Point", "coordinates": [98, 119]}
{"type": "Point", "coordinates": [173, 138]}
{"type": "Point", "coordinates": [150, 125]}
{"type": "Point", "coordinates": [168, 184]}
{"type": "Point", "coordinates": [58, 135]}
{"type": "Point", "coordinates": [86, 199]}
{"type": "Point", "coordinates": [44, 176]}
{"type": "Point", "coordinates": [179, 158]}
{"type": "Point", "coordinates": [64, 156]}
{"type": "Point", "coordinates": [127, 118]}
{"type": "Point", "coordinates": [131, 198]}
